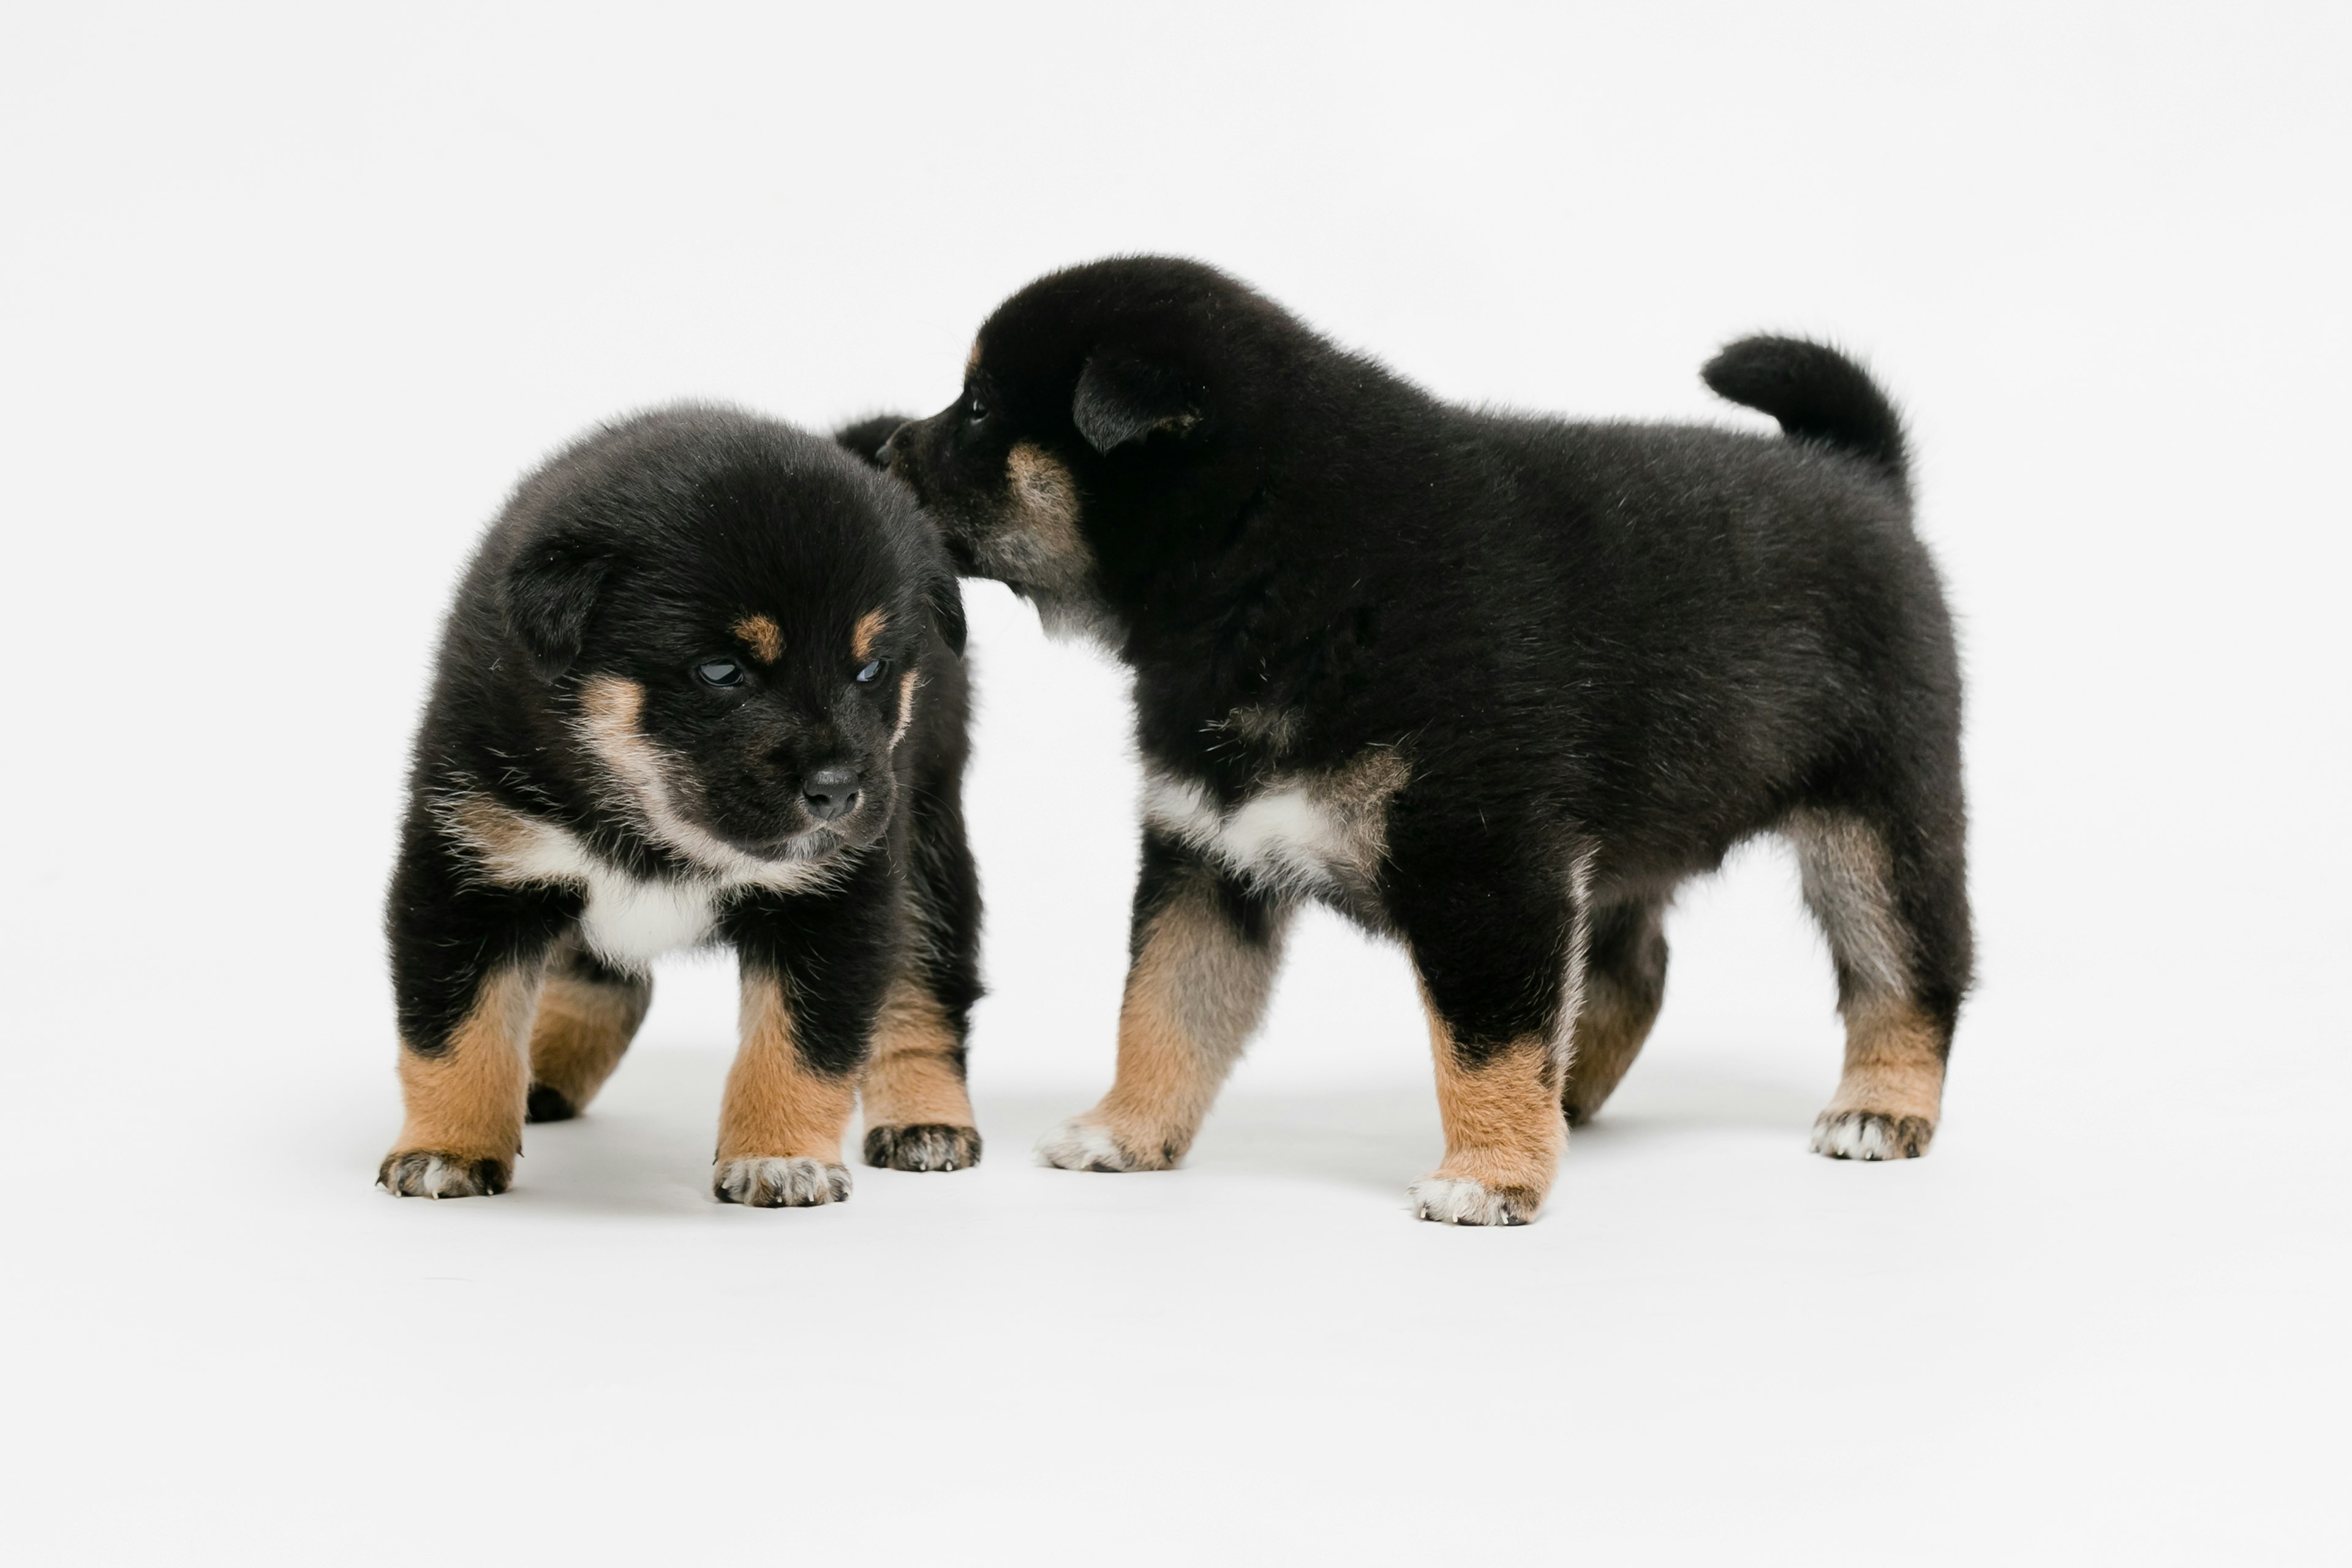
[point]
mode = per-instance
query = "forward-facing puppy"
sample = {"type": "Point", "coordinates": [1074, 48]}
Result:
{"type": "Point", "coordinates": [1493, 685]}
{"type": "Point", "coordinates": [701, 684]}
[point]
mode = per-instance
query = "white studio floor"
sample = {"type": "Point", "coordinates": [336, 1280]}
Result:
{"type": "Point", "coordinates": [293, 294]}
{"type": "Point", "coordinates": [2087, 1327]}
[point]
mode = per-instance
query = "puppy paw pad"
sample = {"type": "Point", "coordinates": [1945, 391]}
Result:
{"type": "Point", "coordinates": [922, 1146]}
{"type": "Point", "coordinates": [1079, 1144]}
{"type": "Point", "coordinates": [1458, 1200]}
{"type": "Point", "coordinates": [780, 1181]}
{"type": "Point", "coordinates": [431, 1174]}
{"type": "Point", "coordinates": [1871, 1135]}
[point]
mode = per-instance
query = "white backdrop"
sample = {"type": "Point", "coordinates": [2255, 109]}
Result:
{"type": "Point", "coordinates": [292, 296]}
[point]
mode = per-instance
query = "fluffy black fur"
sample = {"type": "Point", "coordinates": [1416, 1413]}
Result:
{"type": "Point", "coordinates": [647, 686]}
{"type": "Point", "coordinates": [1606, 652]}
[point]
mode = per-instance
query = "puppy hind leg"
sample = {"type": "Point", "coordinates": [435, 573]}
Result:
{"type": "Point", "coordinates": [1897, 934]}
{"type": "Point", "coordinates": [588, 1014]}
{"type": "Point", "coordinates": [465, 1095]}
{"type": "Point", "coordinates": [1624, 985]}
{"type": "Point", "coordinates": [1205, 953]}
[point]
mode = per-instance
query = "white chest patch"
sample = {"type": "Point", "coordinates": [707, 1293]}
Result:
{"type": "Point", "coordinates": [626, 919]}
{"type": "Point", "coordinates": [1308, 833]}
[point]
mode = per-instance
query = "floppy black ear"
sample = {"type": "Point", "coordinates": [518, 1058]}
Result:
{"type": "Point", "coordinates": [866, 436]}
{"type": "Point", "coordinates": [943, 595]}
{"type": "Point", "coordinates": [1123, 397]}
{"type": "Point", "coordinates": [551, 591]}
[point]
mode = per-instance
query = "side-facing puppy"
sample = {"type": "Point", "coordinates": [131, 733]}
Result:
{"type": "Point", "coordinates": [701, 684]}
{"type": "Point", "coordinates": [1491, 684]}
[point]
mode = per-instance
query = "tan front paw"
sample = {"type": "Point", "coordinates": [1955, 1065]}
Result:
{"type": "Point", "coordinates": [1871, 1135]}
{"type": "Point", "coordinates": [1459, 1200]}
{"type": "Point", "coordinates": [1082, 1143]}
{"type": "Point", "coordinates": [437, 1174]}
{"type": "Point", "coordinates": [780, 1181]}
{"type": "Point", "coordinates": [925, 1146]}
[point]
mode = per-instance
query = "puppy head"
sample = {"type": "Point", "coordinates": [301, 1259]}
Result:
{"type": "Point", "coordinates": [732, 616]}
{"type": "Point", "coordinates": [1112, 419]}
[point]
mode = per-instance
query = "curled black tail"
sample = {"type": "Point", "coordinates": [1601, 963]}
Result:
{"type": "Point", "coordinates": [1817, 395]}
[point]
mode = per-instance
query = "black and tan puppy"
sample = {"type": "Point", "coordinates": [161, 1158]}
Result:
{"type": "Point", "coordinates": [701, 684]}
{"type": "Point", "coordinates": [1491, 684]}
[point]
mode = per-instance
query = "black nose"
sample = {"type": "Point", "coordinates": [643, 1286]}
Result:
{"type": "Point", "coordinates": [829, 792]}
{"type": "Point", "coordinates": [887, 452]}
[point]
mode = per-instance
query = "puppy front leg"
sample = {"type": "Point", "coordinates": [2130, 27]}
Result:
{"type": "Point", "coordinates": [780, 1127]}
{"type": "Point", "coordinates": [813, 967]}
{"type": "Point", "coordinates": [463, 1094]}
{"type": "Point", "coordinates": [1504, 1130]}
{"type": "Point", "coordinates": [1499, 949]}
{"type": "Point", "coordinates": [918, 1109]}
{"type": "Point", "coordinates": [466, 966]}
{"type": "Point", "coordinates": [1204, 952]}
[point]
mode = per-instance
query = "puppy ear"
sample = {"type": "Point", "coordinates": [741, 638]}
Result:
{"type": "Point", "coordinates": [866, 437]}
{"type": "Point", "coordinates": [943, 597]}
{"type": "Point", "coordinates": [1122, 397]}
{"type": "Point", "coordinates": [551, 591]}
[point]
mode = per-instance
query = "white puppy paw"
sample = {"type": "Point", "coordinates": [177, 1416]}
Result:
{"type": "Point", "coordinates": [1458, 1200]}
{"type": "Point", "coordinates": [435, 1174]}
{"type": "Point", "coordinates": [1871, 1135]}
{"type": "Point", "coordinates": [780, 1181]}
{"type": "Point", "coordinates": [1080, 1145]}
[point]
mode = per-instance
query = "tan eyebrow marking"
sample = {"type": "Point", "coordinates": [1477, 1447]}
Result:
{"type": "Point", "coordinates": [869, 629]}
{"type": "Point", "coordinates": [972, 360]}
{"type": "Point", "coordinates": [761, 635]}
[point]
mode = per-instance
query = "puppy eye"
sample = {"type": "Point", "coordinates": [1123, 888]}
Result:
{"type": "Point", "coordinates": [872, 672]}
{"type": "Point", "coordinates": [718, 672]}
{"type": "Point", "coordinates": [976, 409]}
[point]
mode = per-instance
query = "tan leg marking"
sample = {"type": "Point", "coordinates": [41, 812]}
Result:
{"type": "Point", "coordinates": [464, 1126]}
{"type": "Point", "coordinates": [1504, 1132]}
{"type": "Point", "coordinates": [913, 1076]}
{"type": "Point", "coordinates": [762, 636]}
{"type": "Point", "coordinates": [584, 1026]}
{"type": "Point", "coordinates": [1892, 1093]}
{"type": "Point", "coordinates": [1194, 996]}
{"type": "Point", "coordinates": [917, 1112]}
{"type": "Point", "coordinates": [1610, 1028]}
{"type": "Point", "coordinates": [780, 1126]}
{"type": "Point", "coordinates": [867, 632]}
